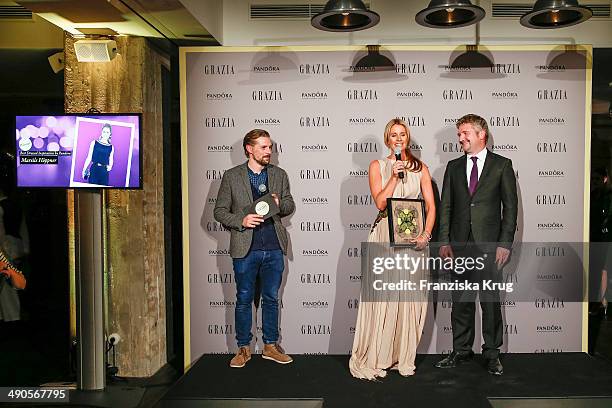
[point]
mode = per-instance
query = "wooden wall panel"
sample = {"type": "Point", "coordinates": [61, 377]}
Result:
{"type": "Point", "coordinates": [134, 220]}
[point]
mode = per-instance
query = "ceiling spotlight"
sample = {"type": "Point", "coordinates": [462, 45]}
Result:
{"type": "Point", "coordinates": [345, 16]}
{"type": "Point", "coordinates": [556, 14]}
{"type": "Point", "coordinates": [449, 14]}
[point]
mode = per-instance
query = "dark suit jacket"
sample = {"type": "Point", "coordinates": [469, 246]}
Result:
{"type": "Point", "coordinates": [490, 214]}
{"type": "Point", "coordinates": [235, 195]}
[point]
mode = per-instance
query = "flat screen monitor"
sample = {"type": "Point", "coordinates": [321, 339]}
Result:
{"type": "Point", "coordinates": [79, 151]}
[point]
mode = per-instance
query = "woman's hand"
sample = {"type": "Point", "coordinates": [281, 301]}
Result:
{"type": "Point", "coordinates": [398, 167]}
{"type": "Point", "coordinates": [420, 242]}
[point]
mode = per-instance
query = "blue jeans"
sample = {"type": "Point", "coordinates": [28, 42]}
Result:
{"type": "Point", "coordinates": [269, 265]}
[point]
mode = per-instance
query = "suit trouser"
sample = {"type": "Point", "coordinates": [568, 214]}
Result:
{"type": "Point", "coordinates": [464, 306]}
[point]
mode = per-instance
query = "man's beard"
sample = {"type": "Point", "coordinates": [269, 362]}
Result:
{"type": "Point", "coordinates": [264, 161]}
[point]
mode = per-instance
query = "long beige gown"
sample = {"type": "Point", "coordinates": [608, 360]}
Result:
{"type": "Point", "coordinates": [387, 333]}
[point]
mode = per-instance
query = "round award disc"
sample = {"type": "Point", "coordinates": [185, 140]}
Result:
{"type": "Point", "coordinates": [262, 208]}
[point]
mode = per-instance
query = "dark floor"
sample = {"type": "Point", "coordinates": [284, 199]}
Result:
{"type": "Point", "coordinates": [27, 360]}
{"type": "Point", "coordinates": [32, 353]}
{"type": "Point", "coordinates": [128, 392]}
{"type": "Point", "coordinates": [119, 392]}
{"type": "Point", "coordinates": [327, 377]}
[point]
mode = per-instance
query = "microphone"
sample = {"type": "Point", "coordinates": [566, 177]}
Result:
{"type": "Point", "coordinates": [398, 156]}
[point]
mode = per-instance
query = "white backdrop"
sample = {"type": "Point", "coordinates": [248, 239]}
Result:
{"type": "Point", "coordinates": [326, 109]}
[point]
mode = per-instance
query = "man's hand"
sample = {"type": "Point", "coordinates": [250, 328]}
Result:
{"type": "Point", "coordinates": [5, 273]}
{"type": "Point", "coordinates": [446, 252]}
{"type": "Point", "coordinates": [501, 256]}
{"type": "Point", "coordinates": [276, 199]}
{"type": "Point", "coordinates": [252, 220]}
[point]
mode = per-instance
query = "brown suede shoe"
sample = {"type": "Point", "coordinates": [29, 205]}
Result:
{"type": "Point", "coordinates": [274, 352]}
{"type": "Point", "coordinates": [241, 358]}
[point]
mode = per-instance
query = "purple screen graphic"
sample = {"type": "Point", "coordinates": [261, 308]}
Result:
{"type": "Point", "coordinates": [52, 150]}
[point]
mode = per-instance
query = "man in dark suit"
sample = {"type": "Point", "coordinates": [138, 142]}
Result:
{"type": "Point", "coordinates": [478, 214]}
{"type": "Point", "coordinates": [257, 246]}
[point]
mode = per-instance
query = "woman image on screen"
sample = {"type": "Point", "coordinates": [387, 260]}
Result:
{"type": "Point", "coordinates": [100, 157]}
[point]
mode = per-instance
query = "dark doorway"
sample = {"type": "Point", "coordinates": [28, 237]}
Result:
{"type": "Point", "coordinates": [36, 348]}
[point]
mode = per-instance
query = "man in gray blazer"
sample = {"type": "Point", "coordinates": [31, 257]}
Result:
{"type": "Point", "coordinates": [256, 245]}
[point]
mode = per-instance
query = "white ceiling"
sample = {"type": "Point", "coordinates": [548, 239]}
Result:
{"type": "Point", "coordinates": [228, 22]}
{"type": "Point", "coordinates": [147, 18]}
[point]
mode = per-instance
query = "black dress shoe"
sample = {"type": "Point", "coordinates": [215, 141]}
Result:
{"type": "Point", "coordinates": [453, 359]}
{"type": "Point", "coordinates": [495, 367]}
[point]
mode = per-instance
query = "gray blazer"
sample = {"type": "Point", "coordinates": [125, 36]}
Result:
{"type": "Point", "coordinates": [235, 194]}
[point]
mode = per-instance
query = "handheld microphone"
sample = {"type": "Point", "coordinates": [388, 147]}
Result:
{"type": "Point", "coordinates": [398, 157]}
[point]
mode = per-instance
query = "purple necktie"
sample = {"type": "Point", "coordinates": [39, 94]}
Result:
{"type": "Point", "coordinates": [473, 176]}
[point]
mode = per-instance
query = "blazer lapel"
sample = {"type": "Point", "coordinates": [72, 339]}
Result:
{"type": "Point", "coordinates": [246, 182]}
{"type": "Point", "coordinates": [462, 172]}
{"type": "Point", "coordinates": [272, 179]}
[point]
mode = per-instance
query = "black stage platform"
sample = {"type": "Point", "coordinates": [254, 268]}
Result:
{"type": "Point", "coordinates": [313, 381]}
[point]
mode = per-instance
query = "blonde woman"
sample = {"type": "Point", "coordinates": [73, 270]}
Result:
{"type": "Point", "coordinates": [387, 333]}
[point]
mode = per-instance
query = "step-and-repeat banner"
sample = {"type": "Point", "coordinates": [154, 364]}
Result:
{"type": "Point", "coordinates": [326, 108]}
